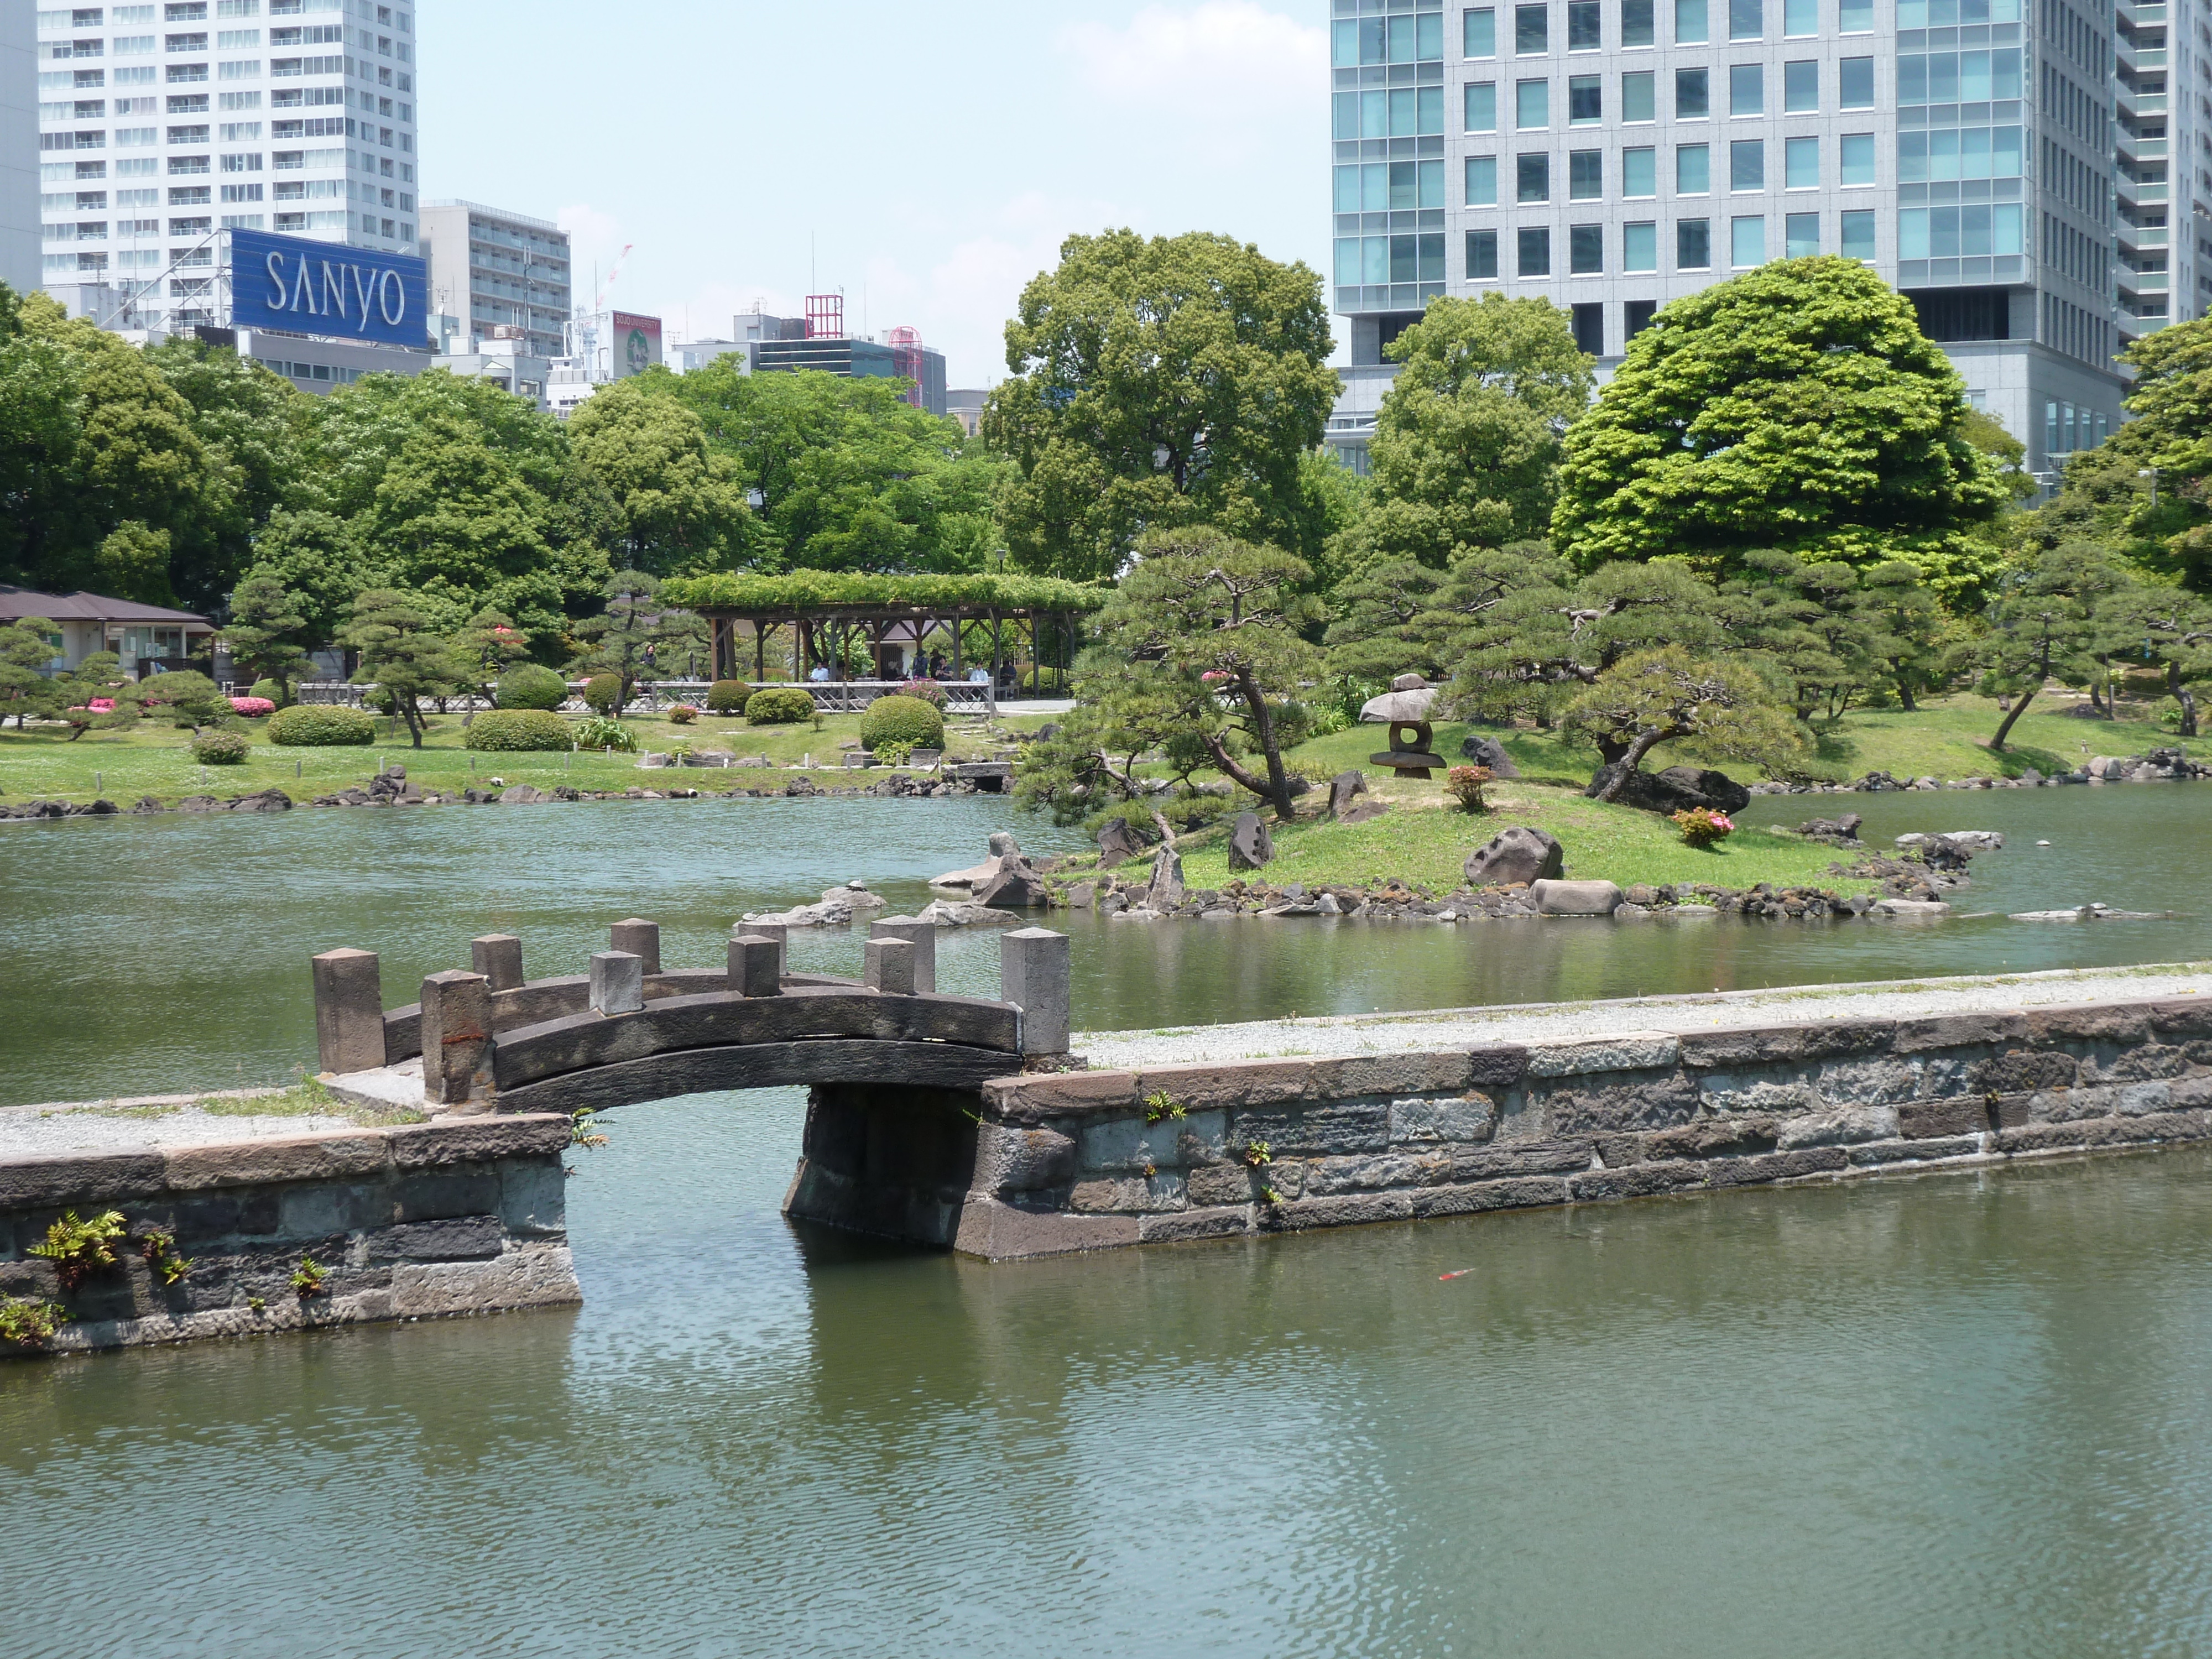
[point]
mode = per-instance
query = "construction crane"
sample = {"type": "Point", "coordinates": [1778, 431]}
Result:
{"type": "Point", "coordinates": [621, 259]}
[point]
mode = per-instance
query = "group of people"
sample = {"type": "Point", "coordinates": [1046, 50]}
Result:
{"type": "Point", "coordinates": [933, 669]}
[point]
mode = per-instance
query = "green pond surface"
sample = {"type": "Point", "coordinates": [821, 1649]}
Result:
{"type": "Point", "coordinates": [1958, 1414]}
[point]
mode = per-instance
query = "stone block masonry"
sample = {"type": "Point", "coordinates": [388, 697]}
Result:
{"type": "Point", "coordinates": [458, 1216]}
{"type": "Point", "coordinates": [1082, 1160]}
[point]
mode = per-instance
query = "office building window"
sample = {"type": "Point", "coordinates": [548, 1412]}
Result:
{"type": "Point", "coordinates": [1639, 248]}
{"type": "Point", "coordinates": [1801, 235]}
{"type": "Point", "coordinates": [1746, 19]}
{"type": "Point", "coordinates": [1532, 105]}
{"type": "Point", "coordinates": [1800, 164]}
{"type": "Point", "coordinates": [1532, 178]}
{"type": "Point", "coordinates": [1857, 149]}
{"type": "Point", "coordinates": [1481, 99]}
{"type": "Point", "coordinates": [1801, 17]}
{"type": "Point", "coordinates": [1585, 100]}
{"type": "Point", "coordinates": [1693, 245]}
{"type": "Point", "coordinates": [1692, 101]}
{"type": "Point", "coordinates": [1589, 323]}
{"type": "Point", "coordinates": [1689, 22]}
{"type": "Point", "coordinates": [1692, 169]}
{"type": "Point", "coordinates": [1585, 250]}
{"type": "Point", "coordinates": [1585, 175]}
{"type": "Point", "coordinates": [1639, 171]}
{"type": "Point", "coordinates": [1482, 181]}
{"type": "Point", "coordinates": [1746, 89]}
{"type": "Point", "coordinates": [1855, 16]}
{"type": "Point", "coordinates": [1479, 32]}
{"type": "Point", "coordinates": [1801, 87]}
{"type": "Point", "coordinates": [1856, 241]}
{"type": "Point", "coordinates": [1637, 22]}
{"type": "Point", "coordinates": [1535, 251]}
{"type": "Point", "coordinates": [1748, 164]}
{"type": "Point", "coordinates": [1747, 241]}
{"type": "Point", "coordinates": [1635, 317]}
{"type": "Point", "coordinates": [1855, 84]}
{"type": "Point", "coordinates": [1949, 233]}
{"type": "Point", "coordinates": [1532, 29]}
{"type": "Point", "coordinates": [1482, 255]}
{"type": "Point", "coordinates": [1639, 96]}
{"type": "Point", "coordinates": [1585, 29]}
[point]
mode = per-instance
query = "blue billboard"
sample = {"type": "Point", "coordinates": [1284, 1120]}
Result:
{"type": "Point", "coordinates": [305, 287]}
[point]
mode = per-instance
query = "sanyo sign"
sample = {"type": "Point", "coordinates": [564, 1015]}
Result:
{"type": "Point", "coordinates": [301, 287]}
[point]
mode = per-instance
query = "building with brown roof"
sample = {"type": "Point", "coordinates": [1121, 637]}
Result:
{"type": "Point", "coordinates": [149, 638]}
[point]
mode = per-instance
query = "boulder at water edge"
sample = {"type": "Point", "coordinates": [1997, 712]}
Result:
{"type": "Point", "coordinates": [1250, 845]}
{"type": "Point", "coordinates": [1576, 898]}
{"type": "Point", "coordinates": [1118, 843]}
{"type": "Point", "coordinates": [1514, 858]}
{"type": "Point", "coordinates": [1167, 890]}
{"type": "Point", "coordinates": [1016, 887]}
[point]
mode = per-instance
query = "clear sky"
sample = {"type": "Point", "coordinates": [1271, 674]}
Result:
{"type": "Point", "coordinates": [926, 158]}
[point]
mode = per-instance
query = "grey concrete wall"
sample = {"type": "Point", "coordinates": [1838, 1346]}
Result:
{"type": "Point", "coordinates": [462, 1216]}
{"type": "Point", "coordinates": [1069, 1162]}
{"type": "Point", "coordinates": [19, 147]}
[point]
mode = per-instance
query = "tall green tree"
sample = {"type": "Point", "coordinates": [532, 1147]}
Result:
{"type": "Point", "coordinates": [267, 626]}
{"type": "Point", "coordinates": [402, 653]}
{"type": "Point", "coordinates": [318, 557]}
{"type": "Point", "coordinates": [844, 474]}
{"type": "Point", "coordinates": [681, 505]}
{"type": "Point", "coordinates": [637, 636]}
{"type": "Point", "coordinates": [1910, 625]}
{"type": "Point", "coordinates": [1722, 709]}
{"type": "Point", "coordinates": [1799, 407]}
{"type": "Point", "coordinates": [1467, 445]}
{"type": "Point", "coordinates": [1156, 383]}
{"type": "Point", "coordinates": [2043, 619]}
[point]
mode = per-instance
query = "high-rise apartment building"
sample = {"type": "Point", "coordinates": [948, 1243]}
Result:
{"type": "Point", "coordinates": [19, 134]}
{"type": "Point", "coordinates": [497, 270]}
{"type": "Point", "coordinates": [161, 125]}
{"type": "Point", "coordinates": [2003, 163]}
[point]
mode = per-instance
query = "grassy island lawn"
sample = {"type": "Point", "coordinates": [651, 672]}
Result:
{"type": "Point", "coordinates": [152, 759]}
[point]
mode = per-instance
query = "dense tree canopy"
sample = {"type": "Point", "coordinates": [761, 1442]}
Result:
{"type": "Point", "coordinates": [682, 505]}
{"type": "Point", "coordinates": [1797, 407]}
{"type": "Point", "coordinates": [1156, 384]}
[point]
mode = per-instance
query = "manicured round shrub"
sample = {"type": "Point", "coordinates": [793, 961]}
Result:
{"type": "Point", "coordinates": [254, 708]}
{"type": "Point", "coordinates": [221, 749]}
{"type": "Point", "coordinates": [602, 695]}
{"type": "Point", "coordinates": [528, 685]}
{"type": "Point", "coordinates": [520, 731]}
{"type": "Point", "coordinates": [778, 705]}
{"type": "Point", "coordinates": [928, 690]}
{"type": "Point", "coordinates": [682, 714]}
{"type": "Point", "coordinates": [268, 689]}
{"type": "Point", "coordinates": [321, 725]}
{"type": "Point", "coordinates": [727, 696]}
{"type": "Point", "coordinates": [902, 720]}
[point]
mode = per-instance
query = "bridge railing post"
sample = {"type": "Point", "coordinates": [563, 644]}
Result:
{"type": "Point", "coordinates": [770, 930]}
{"type": "Point", "coordinates": [457, 1038]}
{"type": "Point", "coordinates": [640, 939]}
{"type": "Point", "coordinates": [922, 935]}
{"type": "Point", "coordinates": [891, 966]}
{"type": "Point", "coordinates": [617, 982]}
{"type": "Point", "coordinates": [498, 957]}
{"type": "Point", "coordinates": [756, 966]}
{"type": "Point", "coordinates": [349, 1011]}
{"type": "Point", "coordinates": [1033, 976]}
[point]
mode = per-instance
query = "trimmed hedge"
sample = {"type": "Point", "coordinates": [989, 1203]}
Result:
{"type": "Point", "coordinates": [520, 731]}
{"type": "Point", "coordinates": [268, 689]}
{"type": "Point", "coordinates": [602, 695]}
{"type": "Point", "coordinates": [902, 720]}
{"type": "Point", "coordinates": [727, 696]}
{"type": "Point", "coordinates": [221, 749]}
{"type": "Point", "coordinates": [529, 685]}
{"type": "Point", "coordinates": [321, 725]}
{"type": "Point", "coordinates": [778, 705]}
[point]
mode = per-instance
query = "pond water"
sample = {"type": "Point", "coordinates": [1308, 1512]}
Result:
{"type": "Point", "coordinates": [1961, 1413]}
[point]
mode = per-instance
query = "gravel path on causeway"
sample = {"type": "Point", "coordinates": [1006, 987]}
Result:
{"type": "Point", "coordinates": [1444, 1029]}
{"type": "Point", "coordinates": [143, 1124]}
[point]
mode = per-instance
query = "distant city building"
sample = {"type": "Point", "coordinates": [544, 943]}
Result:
{"type": "Point", "coordinates": [496, 271]}
{"type": "Point", "coordinates": [756, 325]}
{"type": "Point", "coordinates": [505, 359]}
{"type": "Point", "coordinates": [19, 144]}
{"type": "Point", "coordinates": [161, 126]}
{"type": "Point", "coordinates": [967, 408]}
{"type": "Point", "coordinates": [825, 346]}
{"type": "Point", "coordinates": [691, 355]}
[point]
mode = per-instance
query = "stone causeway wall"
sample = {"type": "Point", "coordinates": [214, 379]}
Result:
{"type": "Point", "coordinates": [458, 1216]}
{"type": "Point", "coordinates": [1081, 1161]}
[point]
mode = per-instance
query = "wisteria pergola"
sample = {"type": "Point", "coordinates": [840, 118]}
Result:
{"type": "Point", "coordinates": [827, 610]}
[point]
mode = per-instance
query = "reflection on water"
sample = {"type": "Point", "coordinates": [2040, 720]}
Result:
{"type": "Point", "coordinates": [171, 953]}
{"type": "Point", "coordinates": [1964, 1415]}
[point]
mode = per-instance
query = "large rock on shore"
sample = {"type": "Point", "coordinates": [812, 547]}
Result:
{"type": "Point", "coordinates": [1003, 847]}
{"type": "Point", "coordinates": [1516, 857]}
{"type": "Point", "coordinates": [839, 908]}
{"type": "Point", "coordinates": [1576, 898]}
{"type": "Point", "coordinates": [1016, 887]}
{"type": "Point", "coordinates": [1250, 845]}
{"type": "Point", "coordinates": [1167, 888]}
{"type": "Point", "coordinates": [1677, 789]}
{"type": "Point", "coordinates": [1118, 843]}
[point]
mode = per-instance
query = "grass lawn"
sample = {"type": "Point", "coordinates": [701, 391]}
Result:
{"type": "Point", "coordinates": [1426, 844]}
{"type": "Point", "coordinates": [152, 759]}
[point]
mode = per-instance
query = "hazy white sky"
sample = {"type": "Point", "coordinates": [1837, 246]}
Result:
{"type": "Point", "coordinates": [927, 159]}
